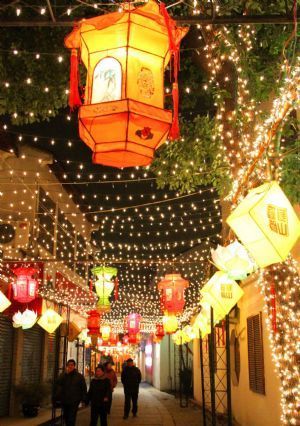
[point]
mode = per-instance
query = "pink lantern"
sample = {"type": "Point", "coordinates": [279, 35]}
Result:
{"type": "Point", "coordinates": [172, 288]}
{"type": "Point", "coordinates": [133, 323]}
{"type": "Point", "coordinates": [25, 286]}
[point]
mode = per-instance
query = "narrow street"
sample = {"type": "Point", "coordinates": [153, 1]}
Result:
{"type": "Point", "coordinates": [155, 408]}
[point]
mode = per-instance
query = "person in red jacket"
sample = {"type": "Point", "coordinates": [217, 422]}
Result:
{"type": "Point", "coordinates": [111, 375]}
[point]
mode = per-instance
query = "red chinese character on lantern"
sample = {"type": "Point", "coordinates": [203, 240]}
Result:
{"type": "Point", "coordinates": [25, 285]}
{"type": "Point", "coordinates": [172, 289]}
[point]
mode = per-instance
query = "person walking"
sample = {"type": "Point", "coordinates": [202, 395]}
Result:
{"type": "Point", "coordinates": [98, 394]}
{"type": "Point", "coordinates": [131, 378]}
{"type": "Point", "coordinates": [70, 390]}
{"type": "Point", "coordinates": [111, 375]}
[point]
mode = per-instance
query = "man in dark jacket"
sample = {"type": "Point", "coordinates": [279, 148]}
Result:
{"type": "Point", "coordinates": [131, 378]}
{"type": "Point", "coordinates": [70, 391]}
{"type": "Point", "coordinates": [99, 394]}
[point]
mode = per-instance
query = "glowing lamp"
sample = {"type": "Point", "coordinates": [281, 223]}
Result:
{"type": "Point", "coordinates": [4, 302]}
{"type": "Point", "coordinates": [172, 289]}
{"type": "Point", "coordinates": [93, 323]}
{"type": "Point", "coordinates": [170, 323]}
{"type": "Point", "coordinates": [83, 335]}
{"type": "Point", "coordinates": [105, 332]}
{"type": "Point", "coordinates": [50, 320]}
{"type": "Point", "coordinates": [104, 285]}
{"type": "Point", "coordinates": [25, 285]}
{"type": "Point", "coordinates": [25, 319]}
{"type": "Point", "coordinates": [123, 119]}
{"type": "Point", "coordinates": [234, 260]}
{"type": "Point", "coordinates": [222, 293]}
{"type": "Point", "coordinates": [202, 323]}
{"type": "Point", "coordinates": [266, 223]}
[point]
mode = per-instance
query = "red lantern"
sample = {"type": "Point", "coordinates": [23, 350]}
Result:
{"type": "Point", "coordinates": [133, 323]}
{"type": "Point", "coordinates": [93, 323]}
{"type": "Point", "coordinates": [126, 340]}
{"type": "Point", "coordinates": [25, 286]}
{"type": "Point", "coordinates": [123, 119]}
{"type": "Point", "coordinates": [172, 288]}
{"type": "Point", "coordinates": [159, 333]}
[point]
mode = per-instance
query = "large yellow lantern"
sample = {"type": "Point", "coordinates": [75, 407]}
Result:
{"type": "Point", "coordinates": [222, 293]}
{"type": "Point", "coordinates": [104, 285]}
{"type": "Point", "coordinates": [266, 223]}
{"type": "Point", "coordinates": [4, 302]}
{"type": "Point", "coordinates": [170, 323]}
{"type": "Point", "coordinates": [123, 119]}
{"type": "Point", "coordinates": [50, 320]}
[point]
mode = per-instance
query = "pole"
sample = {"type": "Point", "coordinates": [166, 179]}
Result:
{"type": "Point", "coordinates": [228, 372]}
{"type": "Point", "coordinates": [212, 368]}
{"type": "Point", "coordinates": [202, 379]}
{"type": "Point", "coordinates": [169, 363]}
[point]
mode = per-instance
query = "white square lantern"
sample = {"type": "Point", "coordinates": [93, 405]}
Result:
{"type": "Point", "coordinates": [222, 293]}
{"type": "Point", "coordinates": [266, 223]}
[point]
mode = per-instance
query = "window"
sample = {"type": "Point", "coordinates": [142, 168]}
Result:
{"type": "Point", "coordinates": [107, 81]}
{"type": "Point", "coordinates": [256, 354]}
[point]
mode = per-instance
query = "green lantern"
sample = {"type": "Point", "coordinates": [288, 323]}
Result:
{"type": "Point", "coordinates": [104, 285]}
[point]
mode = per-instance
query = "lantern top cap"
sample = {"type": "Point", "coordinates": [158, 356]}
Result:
{"type": "Point", "coordinates": [23, 270]}
{"type": "Point", "coordinates": [150, 10]}
{"type": "Point", "coordinates": [173, 279]}
{"type": "Point", "coordinates": [105, 270]}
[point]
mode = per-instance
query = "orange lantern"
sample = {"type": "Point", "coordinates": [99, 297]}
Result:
{"type": "Point", "coordinates": [172, 288]}
{"type": "Point", "coordinates": [123, 119]}
{"type": "Point", "coordinates": [93, 323]}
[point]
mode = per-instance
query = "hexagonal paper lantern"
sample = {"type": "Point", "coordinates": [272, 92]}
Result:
{"type": "Point", "coordinates": [222, 293]}
{"type": "Point", "coordinates": [123, 119]}
{"type": "Point", "coordinates": [172, 289]}
{"type": "Point", "coordinates": [170, 323]}
{"type": "Point", "coordinates": [104, 285]}
{"type": "Point", "coordinates": [266, 223]}
{"type": "Point", "coordinates": [25, 285]}
{"type": "Point", "coordinates": [93, 323]}
{"type": "Point", "coordinates": [50, 320]}
{"type": "Point", "coordinates": [4, 302]}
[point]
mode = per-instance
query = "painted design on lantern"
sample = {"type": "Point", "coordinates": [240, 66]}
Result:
{"type": "Point", "coordinates": [278, 219]}
{"type": "Point", "coordinates": [226, 291]}
{"type": "Point", "coordinates": [145, 82]}
{"type": "Point", "coordinates": [107, 81]}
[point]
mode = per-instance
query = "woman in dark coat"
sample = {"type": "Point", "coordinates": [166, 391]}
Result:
{"type": "Point", "coordinates": [98, 395]}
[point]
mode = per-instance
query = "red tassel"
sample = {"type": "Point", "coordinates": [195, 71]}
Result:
{"type": "Point", "coordinates": [74, 96]}
{"type": "Point", "coordinates": [174, 47]}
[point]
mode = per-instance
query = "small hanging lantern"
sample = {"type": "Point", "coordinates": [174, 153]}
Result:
{"type": "Point", "coordinates": [170, 323]}
{"type": "Point", "coordinates": [202, 324]}
{"type": "Point", "coordinates": [188, 333]}
{"type": "Point", "coordinates": [25, 319]}
{"type": "Point", "coordinates": [159, 333]}
{"type": "Point", "coordinates": [25, 285]}
{"type": "Point", "coordinates": [4, 302]}
{"type": "Point", "coordinates": [133, 323]}
{"type": "Point", "coordinates": [172, 288]}
{"type": "Point", "coordinates": [105, 332]}
{"type": "Point", "coordinates": [234, 260]}
{"type": "Point", "coordinates": [266, 223]}
{"type": "Point", "coordinates": [83, 335]}
{"type": "Point", "coordinates": [50, 320]}
{"type": "Point", "coordinates": [179, 338]}
{"type": "Point", "coordinates": [104, 286]}
{"type": "Point", "coordinates": [123, 119]}
{"type": "Point", "coordinates": [221, 293]}
{"type": "Point", "coordinates": [134, 339]}
{"type": "Point", "coordinates": [93, 323]}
